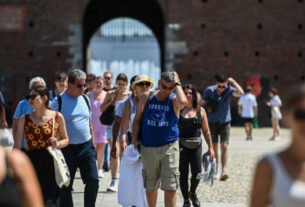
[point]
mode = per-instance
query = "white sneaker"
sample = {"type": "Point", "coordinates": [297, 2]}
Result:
{"type": "Point", "coordinates": [113, 185]}
{"type": "Point", "coordinates": [217, 176]}
{"type": "Point", "coordinates": [100, 173]}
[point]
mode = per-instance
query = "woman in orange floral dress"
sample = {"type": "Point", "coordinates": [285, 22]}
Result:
{"type": "Point", "coordinates": [38, 129]}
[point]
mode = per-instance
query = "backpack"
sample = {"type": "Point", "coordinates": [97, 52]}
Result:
{"type": "Point", "coordinates": [59, 98]}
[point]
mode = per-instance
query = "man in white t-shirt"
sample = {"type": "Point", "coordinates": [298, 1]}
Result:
{"type": "Point", "coordinates": [247, 109]}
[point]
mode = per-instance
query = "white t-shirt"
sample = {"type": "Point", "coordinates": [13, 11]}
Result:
{"type": "Point", "coordinates": [276, 101]}
{"type": "Point", "coordinates": [247, 102]}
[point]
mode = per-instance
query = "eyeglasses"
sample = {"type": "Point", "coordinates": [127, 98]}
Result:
{"type": "Point", "coordinates": [299, 114]}
{"type": "Point", "coordinates": [142, 84]}
{"type": "Point", "coordinates": [31, 96]}
{"type": "Point", "coordinates": [167, 88]}
{"type": "Point", "coordinates": [107, 78]}
{"type": "Point", "coordinates": [81, 85]}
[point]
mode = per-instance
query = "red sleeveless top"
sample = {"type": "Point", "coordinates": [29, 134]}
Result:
{"type": "Point", "coordinates": [37, 136]}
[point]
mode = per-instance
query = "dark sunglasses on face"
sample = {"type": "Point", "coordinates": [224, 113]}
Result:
{"type": "Point", "coordinates": [81, 85]}
{"type": "Point", "coordinates": [167, 88]}
{"type": "Point", "coordinates": [221, 87]}
{"type": "Point", "coordinates": [299, 114]}
{"type": "Point", "coordinates": [107, 78]}
{"type": "Point", "coordinates": [31, 96]}
{"type": "Point", "coordinates": [144, 84]}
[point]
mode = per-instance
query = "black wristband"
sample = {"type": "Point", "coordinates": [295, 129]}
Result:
{"type": "Point", "coordinates": [177, 84]}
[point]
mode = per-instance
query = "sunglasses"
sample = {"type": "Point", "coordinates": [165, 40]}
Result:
{"type": "Point", "coordinates": [31, 96]}
{"type": "Point", "coordinates": [81, 85]}
{"type": "Point", "coordinates": [221, 87]}
{"type": "Point", "coordinates": [167, 88]}
{"type": "Point", "coordinates": [299, 114]}
{"type": "Point", "coordinates": [142, 84]}
{"type": "Point", "coordinates": [107, 78]}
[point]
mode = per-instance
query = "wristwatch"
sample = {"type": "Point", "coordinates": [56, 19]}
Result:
{"type": "Point", "coordinates": [177, 84]}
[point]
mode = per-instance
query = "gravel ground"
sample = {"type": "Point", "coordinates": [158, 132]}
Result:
{"type": "Point", "coordinates": [243, 156]}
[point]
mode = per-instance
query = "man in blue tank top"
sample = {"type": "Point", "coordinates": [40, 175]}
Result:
{"type": "Point", "coordinates": [156, 122]}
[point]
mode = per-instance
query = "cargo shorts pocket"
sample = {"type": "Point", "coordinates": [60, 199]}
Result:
{"type": "Point", "coordinates": [170, 182]}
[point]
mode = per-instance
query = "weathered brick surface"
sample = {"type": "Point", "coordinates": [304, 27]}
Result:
{"type": "Point", "coordinates": [221, 36]}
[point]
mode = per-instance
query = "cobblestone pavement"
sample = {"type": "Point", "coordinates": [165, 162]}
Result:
{"type": "Point", "coordinates": [232, 193]}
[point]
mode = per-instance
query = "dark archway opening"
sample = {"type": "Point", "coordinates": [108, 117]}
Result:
{"type": "Point", "coordinates": [148, 12]}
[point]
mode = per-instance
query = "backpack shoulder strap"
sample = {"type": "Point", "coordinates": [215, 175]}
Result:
{"type": "Point", "coordinates": [87, 101]}
{"type": "Point", "coordinates": [59, 99]}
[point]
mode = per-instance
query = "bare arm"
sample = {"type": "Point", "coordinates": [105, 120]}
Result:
{"type": "Point", "coordinates": [109, 99]}
{"type": "Point", "coordinates": [26, 178]}
{"type": "Point", "coordinates": [14, 128]}
{"type": "Point", "coordinates": [255, 111]}
{"type": "Point", "coordinates": [64, 139]}
{"type": "Point", "coordinates": [240, 109]}
{"type": "Point", "coordinates": [3, 117]}
{"type": "Point", "coordinates": [180, 101]}
{"type": "Point", "coordinates": [239, 91]}
{"type": "Point", "coordinates": [261, 187]}
{"type": "Point", "coordinates": [206, 132]}
{"type": "Point", "coordinates": [19, 132]}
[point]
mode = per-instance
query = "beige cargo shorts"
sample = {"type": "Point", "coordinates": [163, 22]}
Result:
{"type": "Point", "coordinates": [161, 165]}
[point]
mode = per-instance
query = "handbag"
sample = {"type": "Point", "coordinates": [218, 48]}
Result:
{"type": "Point", "coordinates": [62, 173]}
{"type": "Point", "coordinates": [6, 138]}
{"type": "Point", "coordinates": [107, 117]}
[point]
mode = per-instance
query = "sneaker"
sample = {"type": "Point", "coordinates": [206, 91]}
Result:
{"type": "Point", "coordinates": [217, 176]}
{"type": "Point", "coordinates": [100, 173]}
{"type": "Point", "coordinates": [194, 199]}
{"type": "Point", "coordinates": [186, 203]}
{"type": "Point", "coordinates": [113, 186]}
{"type": "Point", "coordinates": [224, 176]}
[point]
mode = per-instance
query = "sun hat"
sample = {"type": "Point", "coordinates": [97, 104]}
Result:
{"type": "Point", "coordinates": [142, 78]}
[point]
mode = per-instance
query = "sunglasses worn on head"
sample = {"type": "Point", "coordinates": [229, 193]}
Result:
{"type": "Point", "coordinates": [148, 84]}
{"type": "Point", "coordinates": [31, 96]}
{"type": "Point", "coordinates": [81, 85]}
{"type": "Point", "coordinates": [299, 114]}
{"type": "Point", "coordinates": [167, 88]}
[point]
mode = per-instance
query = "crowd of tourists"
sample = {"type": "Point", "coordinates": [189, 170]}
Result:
{"type": "Point", "coordinates": [151, 133]}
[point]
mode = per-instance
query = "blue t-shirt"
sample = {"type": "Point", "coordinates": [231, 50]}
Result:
{"type": "Point", "coordinates": [222, 110]}
{"type": "Point", "coordinates": [77, 117]}
{"type": "Point", "coordinates": [159, 123]}
{"type": "Point", "coordinates": [23, 108]}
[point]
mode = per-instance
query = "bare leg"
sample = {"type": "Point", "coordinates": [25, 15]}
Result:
{"type": "Point", "coordinates": [215, 147]}
{"type": "Point", "coordinates": [170, 198]}
{"type": "Point", "coordinates": [100, 148]}
{"type": "Point", "coordinates": [152, 198]}
{"type": "Point", "coordinates": [115, 163]}
{"type": "Point", "coordinates": [250, 130]}
{"type": "Point", "coordinates": [224, 156]}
